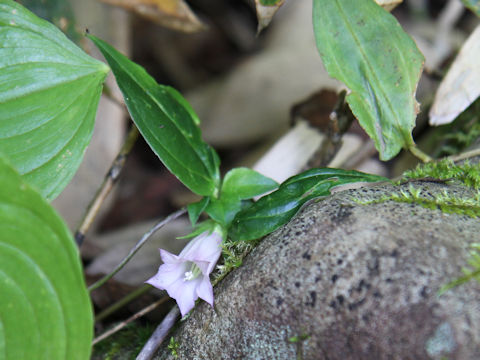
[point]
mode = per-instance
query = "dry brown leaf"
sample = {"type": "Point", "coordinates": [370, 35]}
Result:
{"type": "Point", "coordinates": [265, 13]}
{"type": "Point", "coordinates": [461, 85]}
{"type": "Point", "coordinates": [174, 14]}
{"type": "Point", "coordinates": [388, 5]}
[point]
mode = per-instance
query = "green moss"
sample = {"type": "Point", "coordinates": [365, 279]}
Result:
{"type": "Point", "coordinates": [466, 173]}
{"type": "Point", "coordinates": [298, 338]}
{"type": "Point", "coordinates": [233, 253]}
{"type": "Point", "coordinates": [173, 347]}
{"type": "Point", "coordinates": [445, 201]}
{"type": "Point", "coordinates": [471, 273]}
{"type": "Point", "coordinates": [125, 344]}
{"type": "Point", "coordinates": [454, 138]}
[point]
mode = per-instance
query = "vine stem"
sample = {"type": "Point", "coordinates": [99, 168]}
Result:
{"type": "Point", "coordinates": [159, 334]}
{"type": "Point", "coordinates": [137, 247]}
{"type": "Point", "coordinates": [134, 317]}
{"type": "Point", "coordinates": [107, 185]}
{"type": "Point", "coordinates": [419, 154]}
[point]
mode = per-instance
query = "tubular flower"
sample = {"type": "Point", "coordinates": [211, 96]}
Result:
{"type": "Point", "coordinates": [186, 277]}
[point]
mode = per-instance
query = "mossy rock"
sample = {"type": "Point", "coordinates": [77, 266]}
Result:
{"type": "Point", "coordinates": [350, 277]}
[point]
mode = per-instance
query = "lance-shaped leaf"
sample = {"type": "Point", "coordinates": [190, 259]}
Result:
{"type": "Point", "coordinates": [45, 310]}
{"type": "Point", "coordinates": [363, 45]}
{"type": "Point", "coordinates": [277, 208]}
{"type": "Point", "coordinates": [167, 123]}
{"type": "Point", "coordinates": [49, 92]}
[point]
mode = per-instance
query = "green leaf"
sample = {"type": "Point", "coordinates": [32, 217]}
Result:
{"type": "Point", "coordinates": [239, 184]}
{"type": "Point", "coordinates": [271, 2]}
{"type": "Point", "coordinates": [49, 92]}
{"type": "Point", "coordinates": [223, 210]}
{"type": "Point", "coordinates": [45, 310]}
{"type": "Point", "coordinates": [363, 45]}
{"type": "Point", "coordinates": [244, 183]}
{"type": "Point", "coordinates": [195, 209]}
{"type": "Point", "coordinates": [473, 5]}
{"type": "Point", "coordinates": [277, 208]}
{"type": "Point", "coordinates": [168, 125]}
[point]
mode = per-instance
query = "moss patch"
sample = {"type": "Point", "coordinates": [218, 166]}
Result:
{"type": "Point", "coordinates": [466, 173]}
{"type": "Point", "coordinates": [125, 344]}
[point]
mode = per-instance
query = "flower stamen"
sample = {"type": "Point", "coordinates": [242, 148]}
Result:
{"type": "Point", "coordinates": [193, 273]}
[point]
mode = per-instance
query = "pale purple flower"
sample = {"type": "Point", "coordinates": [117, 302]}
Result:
{"type": "Point", "coordinates": [186, 277]}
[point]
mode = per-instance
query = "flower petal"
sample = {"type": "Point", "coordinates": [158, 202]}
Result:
{"type": "Point", "coordinates": [184, 292]}
{"type": "Point", "coordinates": [204, 248]}
{"type": "Point", "coordinates": [168, 274]}
{"type": "Point", "coordinates": [168, 258]}
{"type": "Point", "coordinates": [205, 290]}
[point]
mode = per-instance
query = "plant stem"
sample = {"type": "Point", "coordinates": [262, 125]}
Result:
{"type": "Point", "coordinates": [159, 335]}
{"type": "Point", "coordinates": [107, 185]}
{"type": "Point", "coordinates": [123, 301]}
{"type": "Point", "coordinates": [419, 154]}
{"type": "Point", "coordinates": [129, 320]}
{"type": "Point", "coordinates": [137, 247]}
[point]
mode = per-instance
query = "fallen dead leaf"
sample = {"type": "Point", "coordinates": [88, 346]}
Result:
{"type": "Point", "coordinates": [388, 5]}
{"type": "Point", "coordinates": [461, 85]}
{"type": "Point", "coordinates": [265, 11]}
{"type": "Point", "coordinates": [174, 14]}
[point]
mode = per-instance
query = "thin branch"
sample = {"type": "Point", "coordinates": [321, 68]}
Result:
{"type": "Point", "coordinates": [107, 185]}
{"type": "Point", "coordinates": [134, 317]}
{"type": "Point", "coordinates": [137, 247]}
{"type": "Point", "coordinates": [159, 335]}
{"type": "Point", "coordinates": [465, 155]}
{"type": "Point", "coordinates": [123, 301]}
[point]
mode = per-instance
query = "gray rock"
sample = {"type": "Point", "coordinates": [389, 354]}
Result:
{"type": "Point", "coordinates": [349, 281]}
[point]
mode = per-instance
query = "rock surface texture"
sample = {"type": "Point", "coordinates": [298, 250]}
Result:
{"type": "Point", "coordinates": [347, 281]}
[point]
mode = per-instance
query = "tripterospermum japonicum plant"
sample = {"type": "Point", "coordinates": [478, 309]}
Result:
{"type": "Point", "coordinates": [49, 92]}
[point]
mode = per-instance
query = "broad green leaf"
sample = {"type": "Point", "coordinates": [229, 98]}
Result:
{"type": "Point", "coordinates": [195, 209]}
{"type": "Point", "coordinates": [49, 92]}
{"type": "Point", "coordinates": [473, 5]}
{"type": "Point", "coordinates": [244, 183]}
{"type": "Point", "coordinates": [168, 126]}
{"type": "Point", "coordinates": [277, 208]}
{"type": "Point", "coordinates": [45, 310]}
{"type": "Point", "coordinates": [239, 184]}
{"type": "Point", "coordinates": [363, 45]}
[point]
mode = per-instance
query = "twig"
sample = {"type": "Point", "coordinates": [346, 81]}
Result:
{"type": "Point", "coordinates": [130, 319]}
{"type": "Point", "coordinates": [137, 247]}
{"type": "Point", "coordinates": [465, 155]}
{"type": "Point", "coordinates": [159, 335]}
{"type": "Point", "coordinates": [107, 185]}
{"type": "Point", "coordinates": [123, 301]}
